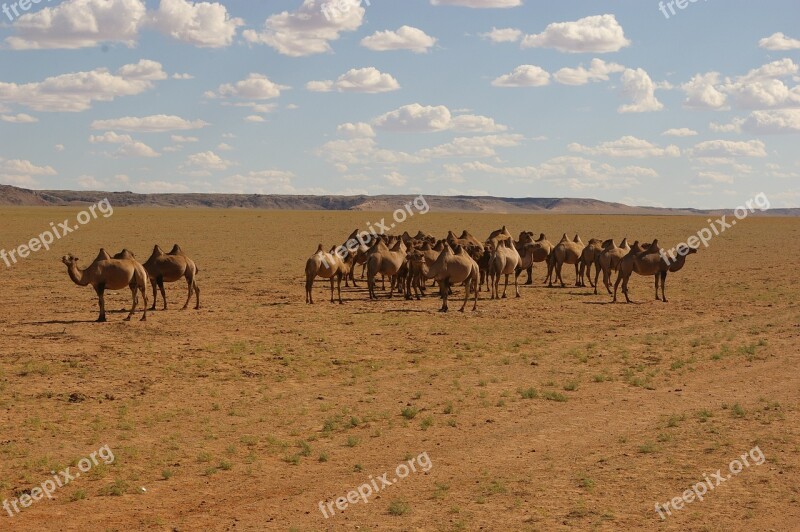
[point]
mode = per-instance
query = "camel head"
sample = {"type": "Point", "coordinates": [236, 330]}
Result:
{"type": "Point", "coordinates": [685, 250]}
{"type": "Point", "coordinates": [69, 260]}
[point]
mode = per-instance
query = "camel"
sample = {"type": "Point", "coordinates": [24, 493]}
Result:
{"type": "Point", "coordinates": [384, 261]}
{"type": "Point", "coordinates": [452, 268]}
{"type": "Point", "coordinates": [328, 266]}
{"type": "Point", "coordinates": [588, 255]}
{"type": "Point", "coordinates": [505, 261]}
{"type": "Point", "coordinates": [608, 260]}
{"type": "Point", "coordinates": [105, 273]}
{"type": "Point", "coordinates": [541, 252]}
{"type": "Point", "coordinates": [649, 262]}
{"type": "Point", "coordinates": [566, 252]}
{"type": "Point", "coordinates": [169, 268]}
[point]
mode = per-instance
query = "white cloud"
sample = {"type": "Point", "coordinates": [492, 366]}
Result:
{"type": "Point", "coordinates": [253, 87]}
{"type": "Point", "coordinates": [735, 126]}
{"type": "Point", "coordinates": [20, 118]}
{"type": "Point", "coordinates": [261, 182]}
{"type": "Point", "coordinates": [396, 179]}
{"type": "Point", "coordinates": [773, 121]}
{"type": "Point", "coordinates": [89, 182]}
{"type": "Point", "coordinates": [715, 177]}
{"type": "Point", "coordinates": [362, 151]}
{"type": "Point", "coordinates": [478, 4]}
{"type": "Point", "coordinates": [203, 24]}
{"type": "Point", "coordinates": [79, 24]}
{"type": "Point", "coordinates": [202, 163]}
{"type": "Point", "coordinates": [627, 146]}
{"type": "Point", "coordinates": [59, 147]}
{"type": "Point", "coordinates": [357, 130]}
{"type": "Point", "coordinates": [181, 138]}
{"type": "Point", "coordinates": [598, 71]}
{"type": "Point", "coordinates": [524, 76]}
{"type": "Point", "coordinates": [637, 85]}
{"type": "Point", "coordinates": [404, 38]}
{"type": "Point", "coordinates": [502, 35]}
{"type": "Point", "coordinates": [418, 118]}
{"type": "Point", "coordinates": [482, 146]}
{"type": "Point", "coordinates": [307, 30]}
{"type": "Point", "coordinates": [728, 148]}
{"type": "Point", "coordinates": [223, 146]}
{"type": "Point", "coordinates": [779, 42]}
{"type": "Point", "coordinates": [182, 76]}
{"type": "Point", "coordinates": [77, 91]}
{"type": "Point", "coordinates": [701, 92]}
{"type": "Point", "coordinates": [128, 147]}
{"type": "Point", "coordinates": [680, 132]}
{"type": "Point", "coordinates": [367, 80]}
{"type": "Point", "coordinates": [159, 187]}
{"type": "Point", "coordinates": [598, 34]}
{"type": "Point", "coordinates": [149, 124]}
{"type": "Point", "coordinates": [256, 119]}
{"type": "Point", "coordinates": [21, 173]}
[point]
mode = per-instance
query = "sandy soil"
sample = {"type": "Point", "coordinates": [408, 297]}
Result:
{"type": "Point", "coordinates": [554, 411]}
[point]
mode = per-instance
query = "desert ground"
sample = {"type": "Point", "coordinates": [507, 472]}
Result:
{"type": "Point", "coordinates": [555, 411]}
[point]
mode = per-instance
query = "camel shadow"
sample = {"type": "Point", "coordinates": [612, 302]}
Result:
{"type": "Point", "coordinates": [58, 322]}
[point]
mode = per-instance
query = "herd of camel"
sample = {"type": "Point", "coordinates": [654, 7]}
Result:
{"type": "Point", "coordinates": [124, 271]}
{"type": "Point", "coordinates": [409, 261]}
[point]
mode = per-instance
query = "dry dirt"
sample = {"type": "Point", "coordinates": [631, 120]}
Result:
{"type": "Point", "coordinates": [555, 411]}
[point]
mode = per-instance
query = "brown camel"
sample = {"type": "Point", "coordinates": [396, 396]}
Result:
{"type": "Point", "coordinates": [384, 261]}
{"type": "Point", "coordinates": [505, 261]}
{"type": "Point", "coordinates": [588, 256]}
{"type": "Point", "coordinates": [649, 262]}
{"type": "Point", "coordinates": [566, 252]}
{"type": "Point", "coordinates": [105, 273]}
{"type": "Point", "coordinates": [608, 261]}
{"type": "Point", "coordinates": [541, 252]}
{"type": "Point", "coordinates": [452, 268]}
{"type": "Point", "coordinates": [328, 266]}
{"type": "Point", "coordinates": [169, 268]}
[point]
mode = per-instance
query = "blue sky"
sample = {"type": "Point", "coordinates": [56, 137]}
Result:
{"type": "Point", "coordinates": [610, 100]}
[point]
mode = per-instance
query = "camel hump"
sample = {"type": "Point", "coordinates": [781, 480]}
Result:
{"type": "Point", "coordinates": [541, 237]}
{"type": "Point", "coordinates": [157, 251]}
{"type": "Point", "coordinates": [577, 239]}
{"type": "Point", "coordinates": [320, 249]}
{"type": "Point", "coordinates": [653, 247]}
{"type": "Point", "coordinates": [103, 255]}
{"type": "Point", "coordinates": [176, 250]}
{"type": "Point", "coordinates": [624, 242]}
{"type": "Point", "coordinates": [565, 238]}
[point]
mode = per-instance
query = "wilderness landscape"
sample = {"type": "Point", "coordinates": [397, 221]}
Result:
{"type": "Point", "coordinates": [552, 411]}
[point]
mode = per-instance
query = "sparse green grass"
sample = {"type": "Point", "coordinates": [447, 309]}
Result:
{"type": "Point", "coordinates": [528, 393]}
{"type": "Point", "coordinates": [398, 507]}
{"type": "Point", "coordinates": [410, 412]}
{"type": "Point", "coordinates": [554, 396]}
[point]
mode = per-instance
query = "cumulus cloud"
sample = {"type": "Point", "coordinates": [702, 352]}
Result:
{"type": "Point", "coordinates": [728, 148]}
{"type": "Point", "coordinates": [478, 4]}
{"type": "Point", "coordinates": [128, 147]}
{"type": "Point", "coordinates": [598, 34]}
{"type": "Point", "coordinates": [773, 122]}
{"type": "Point", "coordinates": [627, 146]}
{"type": "Point", "coordinates": [253, 87]}
{"type": "Point", "coordinates": [598, 71]}
{"type": "Point", "coordinates": [200, 164]}
{"type": "Point", "coordinates": [261, 182]}
{"type": "Point", "coordinates": [307, 30]}
{"type": "Point", "coordinates": [418, 118]}
{"type": "Point", "coordinates": [680, 132]}
{"type": "Point", "coordinates": [701, 92]}
{"type": "Point", "coordinates": [21, 172]}
{"type": "Point", "coordinates": [357, 130]}
{"type": "Point", "coordinates": [481, 146]}
{"type": "Point", "coordinates": [77, 91]}
{"type": "Point", "coordinates": [524, 76]}
{"type": "Point", "coordinates": [366, 80]}
{"type": "Point", "coordinates": [502, 35]}
{"type": "Point", "coordinates": [20, 118]}
{"type": "Point", "coordinates": [79, 24]}
{"type": "Point", "coordinates": [149, 124]}
{"type": "Point", "coordinates": [779, 42]}
{"type": "Point", "coordinates": [637, 85]}
{"type": "Point", "coordinates": [404, 38]}
{"type": "Point", "coordinates": [735, 126]}
{"type": "Point", "coordinates": [203, 24]}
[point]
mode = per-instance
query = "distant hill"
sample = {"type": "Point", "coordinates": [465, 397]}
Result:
{"type": "Point", "coordinates": [10, 195]}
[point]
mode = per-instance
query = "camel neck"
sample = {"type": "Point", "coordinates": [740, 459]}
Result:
{"type": "Point", "coordinates": [76, 275]}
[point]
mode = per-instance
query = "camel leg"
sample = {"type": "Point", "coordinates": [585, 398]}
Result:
{"type": "Point", "coordinates": [516, 287]}
{"type": "Point", "coordinates": [530, 275]}
{"type": "Point", "coordinates": [625, 287]}
{"type": "Point", "coordinates": [155, 294]}
{"type": "Point", "coordinates": [190, 282]}
{"type": "Point", "coordinates": [663, 286]}
{"type": "Point", "coordinates": [143, 289]}
{"type": "Point", "coordinates": [309, 289]}
{"type": "Point", "coordinates": [339, 287]}
{"type": "Point", "coordinates": [607, 278]}
{"type": "Point", "coordinates": [505, 287]}
{"type": "Point", "coordinates": [578, 277]}
{"type": "Point", "coordinates": [467, 286]}
{"type": "Point", "coordinates": [392, 281]}
{"type": "Point", "coordinates": [101, 289]}
{"type": "Point", "coordinates": [135, 300]}
{"type": "Point", "coordinates": [332, 281]}
{"type": "Point", "coordinates": [475, 280]}
{"type": "Point", "coordinates": [443, 288]}
{"type": "Point", "coordinates": [596, 276]}
{"type": "Point", "coordinates": [559, 265]}
{"type": "Point", "coordinates": [616, 284]}
{"type": "Point", "coordinates": [196, 293]}
{"type": "Point", "coordinates": [160, 283]}
{"type": "Point", "coordinates": [656, 276]}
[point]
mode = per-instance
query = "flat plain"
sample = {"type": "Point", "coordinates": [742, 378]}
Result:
{"type": "Point", "coordinates": [554, 411]}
